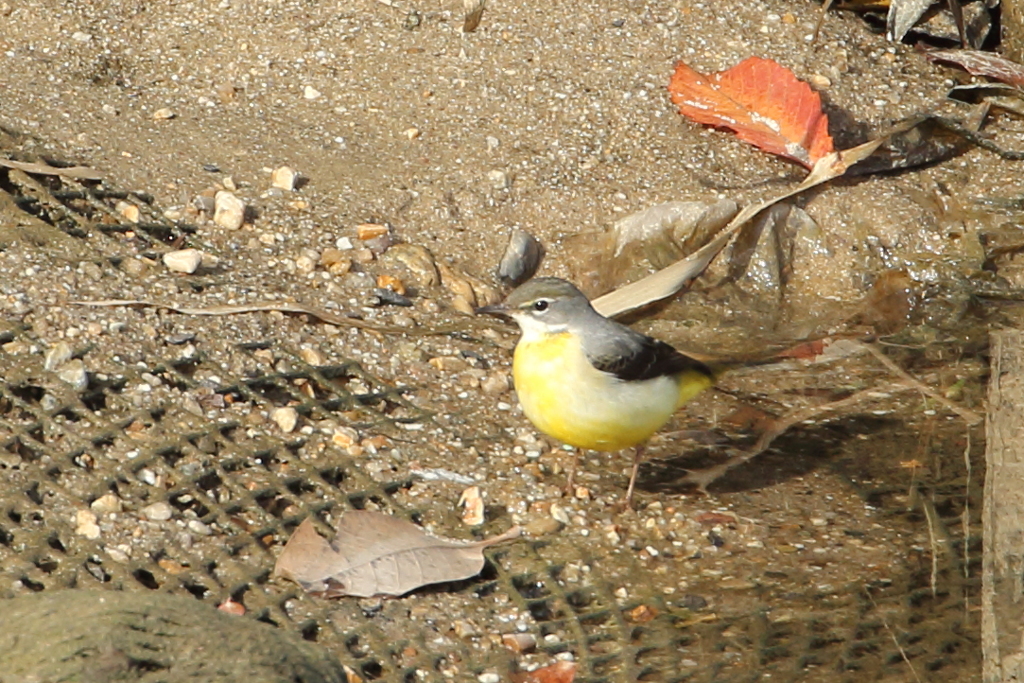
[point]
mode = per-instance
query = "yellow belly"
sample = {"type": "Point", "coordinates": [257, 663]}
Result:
{"type": "Point", "coordinates": [567, 398]}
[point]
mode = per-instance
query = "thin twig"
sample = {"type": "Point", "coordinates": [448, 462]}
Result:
{"type": "Point", "coordinates": [282, 307]}
{"type": "Point", "coordinates": [968, 415]}
{"type": "Point", "coordinates": [885, 623]}
{"type": "Point", "coordinates": [705, 477]}
{"type": "Point", "coordinates": [933, 542]}
{"type": "Point", "coordinates": [965, 518]}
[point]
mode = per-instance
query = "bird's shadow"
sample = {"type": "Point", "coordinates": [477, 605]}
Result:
{"type": "Point", "coordinates": [801, 450]}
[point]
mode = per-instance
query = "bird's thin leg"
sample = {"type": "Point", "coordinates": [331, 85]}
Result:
{"type": "Point", "coordinates": [637, 455]}
{"type": "Point", "coordinates": [570, 483]}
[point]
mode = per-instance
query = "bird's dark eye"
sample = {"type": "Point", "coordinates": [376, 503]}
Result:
{"type": "Point", "coordinates": [540, 305]}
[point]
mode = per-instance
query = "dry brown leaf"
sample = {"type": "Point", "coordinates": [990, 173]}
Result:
{"type": "Point", "coordinates": [377, 554]}
{"type": "Point", "coordinates": [668, 281]}
{"type": "Point", "coordinates": [980, 63]}
{"type": "Point", "coordinates": [902, 16]}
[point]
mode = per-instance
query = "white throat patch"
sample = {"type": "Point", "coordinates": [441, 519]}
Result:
{"type": "Point", "coordinates": [534, 329]}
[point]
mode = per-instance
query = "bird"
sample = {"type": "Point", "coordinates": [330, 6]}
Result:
{"type": "Point", "coordinates": [589, 381]}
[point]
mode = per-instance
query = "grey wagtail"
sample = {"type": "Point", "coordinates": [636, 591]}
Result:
{"type": "Point", "coordinates": [589, 381]}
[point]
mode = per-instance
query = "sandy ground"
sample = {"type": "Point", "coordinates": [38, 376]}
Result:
{"type": "Point", "coordinates": [552, 118]}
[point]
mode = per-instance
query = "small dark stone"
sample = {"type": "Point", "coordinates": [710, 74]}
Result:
{"type": "Point", "coordinates": [179, 339]}
{"type": "Point", "coordinates": [693, 602]}
{"type": "Point", "coordinates": [385, 297]}
{"type": "Point", "coordinates": [521, 259]}
{"type": "Point", "coordinates": [211, 168]}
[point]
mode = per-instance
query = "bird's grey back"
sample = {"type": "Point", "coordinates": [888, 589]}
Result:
{"type": "Point", "coordinates": [604, 338]}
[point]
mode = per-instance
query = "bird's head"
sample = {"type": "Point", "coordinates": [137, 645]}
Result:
{"type": "Point", "coordinates": [543, 305]}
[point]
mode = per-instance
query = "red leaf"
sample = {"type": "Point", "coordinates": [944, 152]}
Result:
{"type": "Point", "coordinates": [762, 102]}
{"type": "Point", "coordinates": [805, 350]}
{"type": "Point", "coordinates": [232, 607]}
{"type": "Point", "coordinates": [559, 672]}
{"type": "Point", "coordinates": [978, 63]}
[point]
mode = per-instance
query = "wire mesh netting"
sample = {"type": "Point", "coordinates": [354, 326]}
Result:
{"type": "Point", "coordinates": [142, 455]}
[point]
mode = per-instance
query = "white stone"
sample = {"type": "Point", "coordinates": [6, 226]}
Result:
{"type": "Point", "coordinates": [286, 418]}
{"type": "Point", "coordinates": [158, 512]}
{"type": "Point", "coordinates": [229, 210]}
{"type": "Point", "coordinates": [183, 260]}
{"type": "Point", "coordinates": [284, 178]}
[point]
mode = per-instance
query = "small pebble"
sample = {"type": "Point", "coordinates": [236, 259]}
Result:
{"type": "Point", "coordinates": [284, 178]}
{"type": "Point", "coordinates": [495, 383]}
{"type": "Point", "coordinates": [418, 260]}
{"type": "Point", "coordinates": [117, 555]}
{"type": "Point", "coordinates": [305, 265]}
{"type": "Point", "coordinates": [520, 643]}
{"type": "Point", "coordinates": [180, 338]}
{"type": "Point", "coordinates": [343, 437]}
{"type": "Point", "coordinates": [105, 504]}
{"type": "Point", "coordinates": [311, 355]}
{"type": "Point", "coordinates": [820, 82]}
{"type": "Point", "coordinates": [229, 210]}
{"type": "Point", "coordinates": [310, 93]}
{"type": "Point", "coordinates": [448, 363]}
{"type": "Point", "coordinates": [197, 527]}
{"type": "Point", "coordinates": [57, 355]}
{"type": "Point", "coordinates": [542, 526]}
{"type": "Point", "coordinates": [163, 114]}
{"type": "Point", "coordinates": [391, 282]}
{"type": "Point", "coordinates": [559, 513]}
{"type": "Point", "coordinates": [133, 267]}
{"type": "Point", "coordinates": [330, 257]}
{"type": "Point", "coordinates": [369, 231]}
{"type": "Point", "coordinates": [129, 211]}
{"type": "Point", "coordinates": [498, 179]}
{"type": "Point", "coordinates": [464, 628]}
{"type": "Point", "coordinates": [158, 512]}
{"type": "Point", "coordinates": [286, 418]}
{"type": "Point", "coordinates": [183, 260]}
{"type": "Point", "coordinates": [74, 373]}
{"type": "Point", "coordinates": [387, 297]}
{"type": "Point", "coordinates": [462, 305]}
{"type": "Point", "coordinates": [85, 524]}
{"type": "Point", "coordinates": [472, 504]}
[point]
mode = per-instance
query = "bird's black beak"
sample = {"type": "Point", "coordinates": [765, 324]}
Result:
{"type": "Point", "coordinates": [497, 310]}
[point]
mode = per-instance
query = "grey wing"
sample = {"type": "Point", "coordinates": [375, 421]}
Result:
{"type": "Point", "coordinates": [632, 356]}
